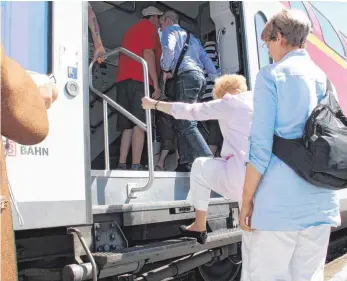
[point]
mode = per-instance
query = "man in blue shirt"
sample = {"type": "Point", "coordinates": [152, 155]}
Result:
{"type": "Point", "coordinates": [189, 84]}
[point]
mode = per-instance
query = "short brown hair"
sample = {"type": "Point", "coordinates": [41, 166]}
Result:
{"type": "Point", "coordinates": [293, 24]}
{"type": "Point", "coordinates": [227, 83]}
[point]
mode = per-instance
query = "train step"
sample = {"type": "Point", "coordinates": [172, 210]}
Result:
{"type": "Point", "coordinates": [158, 250]}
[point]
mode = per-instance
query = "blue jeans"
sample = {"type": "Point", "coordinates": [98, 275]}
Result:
{"type": "Point", "coordinates": [189, 86]}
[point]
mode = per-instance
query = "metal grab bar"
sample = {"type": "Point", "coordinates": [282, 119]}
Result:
{"type": "Point", "coordinates": [220, 32]}
{"type": "Point", "coordinates": [132, 188]}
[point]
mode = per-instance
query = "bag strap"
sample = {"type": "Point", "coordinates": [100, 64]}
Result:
{"type": "Point", "coordinates": [183, 53]}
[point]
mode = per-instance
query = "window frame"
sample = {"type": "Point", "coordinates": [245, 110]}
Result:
{"type": "Point", "coordinates": [259, 45]}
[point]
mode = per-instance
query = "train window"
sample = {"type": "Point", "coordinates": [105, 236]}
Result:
{"type": "Point", "coordinates": [329, 34]}
{"type": "Point", "coordinates": [25, 33]}
{"type": "Point", "coordinates": [263, 53]}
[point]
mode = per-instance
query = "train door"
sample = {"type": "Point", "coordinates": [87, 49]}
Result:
{"type": "Point", "coordinates": [255, 18]}
{"type": "Point", "coordinates": [50, 181]}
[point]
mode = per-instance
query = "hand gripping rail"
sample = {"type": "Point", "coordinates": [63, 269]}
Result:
{"type": "Point", "coordinates": [132, 188]}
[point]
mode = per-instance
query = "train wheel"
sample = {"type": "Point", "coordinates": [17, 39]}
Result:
{"type": "Point", "coordinates": [224, 270]}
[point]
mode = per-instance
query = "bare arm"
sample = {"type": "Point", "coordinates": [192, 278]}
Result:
{"type": "Point", "coordinates": [263, 127]}
{"type": "Point", "coordinates": [94, 27]}
{"type": "Point", "coordinates": [212, 110]}
{"type": "Point", "coordinates": [95, 30]}
{"type": "Point", "coordinates": [162, 106]}
{"type": "Point", "coordinates": [149, 57]}
{"type": "Point", "coordinates": [252, 180]}
{"type": "Point", "coordinates": [23, 113]}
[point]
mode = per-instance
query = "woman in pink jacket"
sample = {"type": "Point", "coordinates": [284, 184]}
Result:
{"type": "Point", "coordinates": [233, 108]}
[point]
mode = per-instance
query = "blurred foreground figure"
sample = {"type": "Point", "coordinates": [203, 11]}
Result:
{"type": "Point", "coordinates": [23, 120]}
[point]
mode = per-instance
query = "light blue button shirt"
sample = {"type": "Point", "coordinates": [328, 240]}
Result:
{"type": "Point", "coordinates": [172, 39]}
{"type": "Point", "coordinates": [285, 94]}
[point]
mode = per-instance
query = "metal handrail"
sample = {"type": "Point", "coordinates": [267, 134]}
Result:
{"type": "Point", "coordinates": [220, 32]}
{"type": "Point", "coordinates": [146, 127]}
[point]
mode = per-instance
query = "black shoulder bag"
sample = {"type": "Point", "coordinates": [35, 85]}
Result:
{"type": "Point", "coordinates": [320, 156]}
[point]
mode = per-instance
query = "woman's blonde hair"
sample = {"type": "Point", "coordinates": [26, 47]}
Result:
{"type": "Point", "coordinates": [229, 82]}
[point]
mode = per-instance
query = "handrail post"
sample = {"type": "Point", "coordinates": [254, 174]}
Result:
{"type": "Point", "coordinates": [220, 32]}
{"type": "Point", "coordinates": [106, 137]}
{"type": "Point", "coordinates": [132, 188]}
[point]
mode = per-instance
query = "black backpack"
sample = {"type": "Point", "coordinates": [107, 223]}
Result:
{"type": "Point", "coordinates": [320, 156]}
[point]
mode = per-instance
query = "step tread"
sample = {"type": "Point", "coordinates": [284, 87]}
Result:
{"type": "Point", "coordinates": [152, 248]}
{"type": "Point", "coordinates": [143, 251]}
{"type": "Point", "coordinates": [221, 234]}
{"type": "Point", "coordinates": [138, 207]}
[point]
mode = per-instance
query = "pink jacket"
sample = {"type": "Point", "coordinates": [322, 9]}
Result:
{"type": "Point", "coordinates": [234, 114]}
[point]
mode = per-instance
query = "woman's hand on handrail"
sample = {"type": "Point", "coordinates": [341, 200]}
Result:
{"type": "Point", "coordinates": [148, 103]}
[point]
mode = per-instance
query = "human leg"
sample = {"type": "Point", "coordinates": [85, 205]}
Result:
{"type": "Point", "coordinates": [310, 253]}
{"type": "Point", "coordinates": [138, 138]}
{"type": "Point", "coordinates": [207, 174]}
{"type": "Point", "coordinates": [123, 123]}
{"type": "Point", "coordinates": [267, 255]}
{"type": "Point", "coordinates": [191, 142]}
{"type": "Point", "coordinates": [215, 139]}
{"type": "Point", "coordinates": [167, 138]}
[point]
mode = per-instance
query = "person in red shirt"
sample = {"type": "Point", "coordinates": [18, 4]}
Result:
{"type": "Point", "coordinates": [143, 40]}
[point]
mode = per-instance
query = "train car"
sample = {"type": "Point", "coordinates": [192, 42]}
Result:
{"type": "Point", "coordinates": [78, 218]}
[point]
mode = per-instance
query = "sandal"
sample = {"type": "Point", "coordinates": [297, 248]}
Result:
{"type": "Point", "coordinates": [200, 236]}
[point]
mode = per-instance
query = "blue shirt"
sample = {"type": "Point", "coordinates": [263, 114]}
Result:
{"type": "Point", "coordinates": [285, 94]}
{"type": "Point", "coordinates": [172, 39]}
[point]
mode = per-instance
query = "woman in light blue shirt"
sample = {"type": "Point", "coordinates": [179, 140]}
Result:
{"type": "Point", "coordinates": [286, 220]}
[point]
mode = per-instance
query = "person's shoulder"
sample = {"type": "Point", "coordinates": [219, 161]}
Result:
{"type": "Point", "coordinates": [268, 72]}
{"type": "Point", "coordinates": [144, 23]}
{"type": "Point", "coordinates": [167, 31]}
{"type": "Point", "coordinates": [173, 28]}
{"type": "Point", "coordinates": [242, 100]}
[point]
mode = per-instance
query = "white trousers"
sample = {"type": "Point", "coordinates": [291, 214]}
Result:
{"type": "Point", "coordinates": [285, 255]}
{"type": "Point", "coordinates": [211, 174]}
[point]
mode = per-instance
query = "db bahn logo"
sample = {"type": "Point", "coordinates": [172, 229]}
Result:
{"type": "Point", "coordinates": [10, 147]}
{"type": "Point", "coordinates": [14, 149]}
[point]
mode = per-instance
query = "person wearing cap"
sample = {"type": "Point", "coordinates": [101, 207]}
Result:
{"type": "Point", "coordinates": [142, 39]}
{"type": "Point", "coordinates": [189, 84]}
